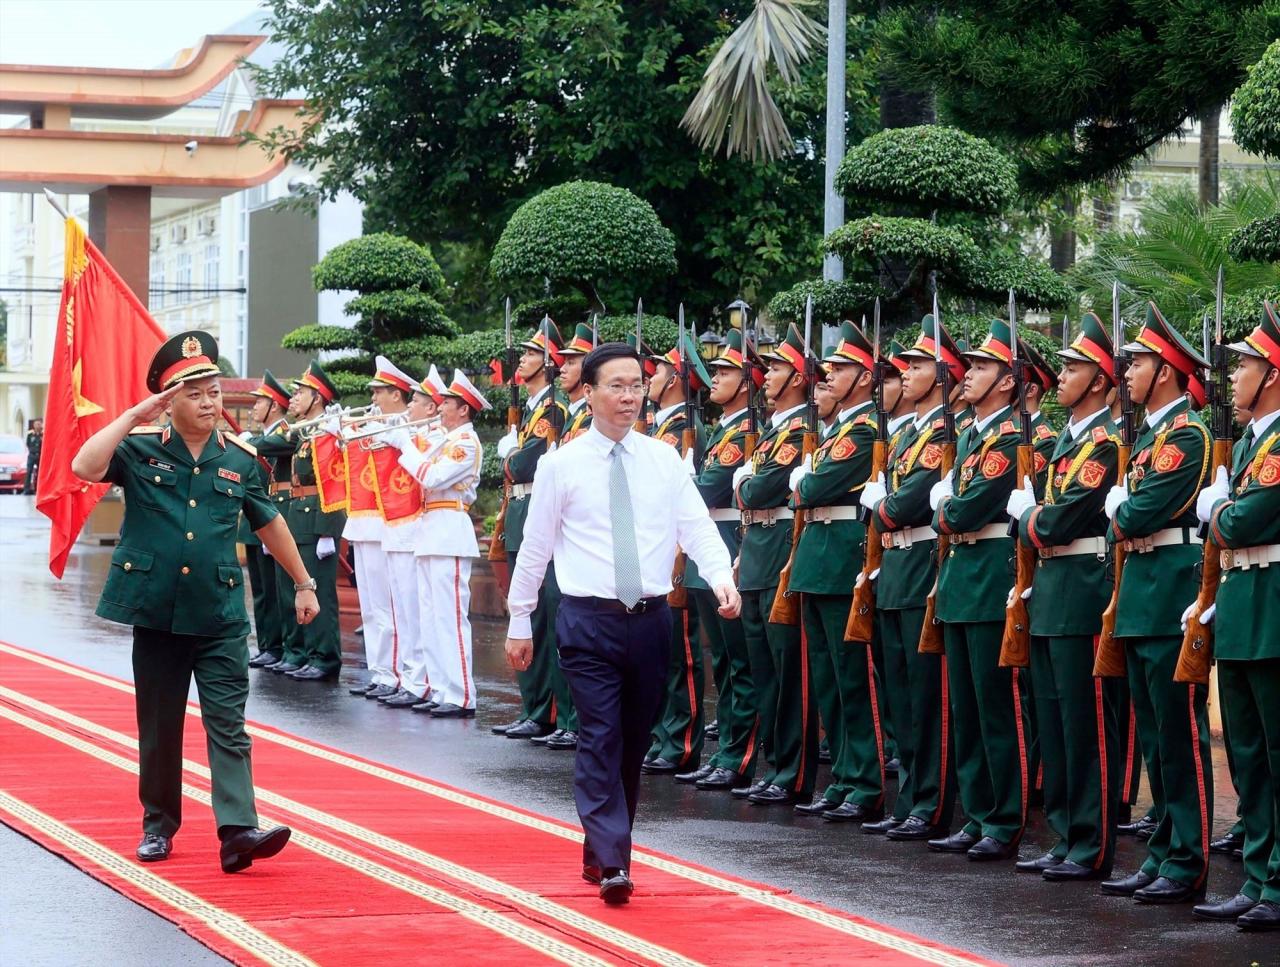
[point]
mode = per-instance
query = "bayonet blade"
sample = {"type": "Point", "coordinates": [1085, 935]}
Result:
{"type": "Point", "coordinates": [506, 320]}
{"type": "Point", "coordinates": [937, 329]}
{"type": "Point", "coordinates": [1116, 325]}
{"type": "Point", "coordinates": [639, 325]}
{"type": "Point", "coordinates": [1217, 309]}
{"type": "Point", "coordinates": [808, 322]}
{"type": "Point", "coordinates": [1066, 331]}
{"type": "Point", "coordinates": [595, 329]}
{"type": "Point", "coordinates": [876, 317]}
{"type": "Point", "coordinates": [1013, 327]}
{"type": "Point", "coordinates": [1204, 335]}
{"type": "Point", "coordinates": [546, 340]}
{"type": "Point", "coordinates": [684, 358]}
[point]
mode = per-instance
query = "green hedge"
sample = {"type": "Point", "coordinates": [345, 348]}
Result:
{"type": "Point", "coordinates": [1258, 241]}
{"type": "Point", "coordinates": [317, 338]}
{"type": "Point", "coordinates": [1255, 108]}
{"type": "Point", "coordinates": [833, 302]}
{"type": "Point", "coordinates": [990, 273]}
{"type": "Point", "coordinates": [878, 237]}
{"type": "Point", "coordinates": [1242, 313]}
{"type": "Point", "coordinates": [373, 263]}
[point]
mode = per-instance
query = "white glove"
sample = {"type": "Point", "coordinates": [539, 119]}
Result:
{"type": "Point", "coordinates": [873, 492]}
{"type": "Point", "coordinates": [1205, 618]}
{"type": "Point", "coordinates": [1218, 490]}
{"type": "Point", "coordinates": [741, 474]}
{"type": "Point", "coordinates": [1116, 496]}
{"type": "Point", "coordinates": [325, 548]}
{"type": "Point", "coordinates": [800, 472]}
{"type": "Point", "coordinates": [689, 466]}
{"type": "Point", "coordinates": [245, 434]}
{"type": "Point", "coordinates": [1021, 500]}
{"type": "Point", "coordinates": [1008, 600]}
{"type": "Point", "coordinates": [941, 490]}
{"type": "Point", "coordinates": [266, 550]}
{"type": "Point", "coordinates": [863, 578]}
{"type": "Point", "coordinates": [400, 438]}
{"type": "Point", "coordinates": [333, 426]}
{"type": "Point", "coordinates": [507, 443]}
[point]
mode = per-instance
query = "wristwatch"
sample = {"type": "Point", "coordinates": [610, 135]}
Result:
{"type": "Point", "coordinates": [308, 585]}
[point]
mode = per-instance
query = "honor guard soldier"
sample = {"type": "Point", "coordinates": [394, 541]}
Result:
{"type": "Point", "coordinates": [1243, 514]}
{"type": "Point", "coordinates": [843, 673]}
{"type": "Point", "coordinates": [544, 415]}
{"type": "Point", "coordinates": [788, 720]}
{"type": "Point", "coordinates": [914, 681]}
{"type": "Point", "coordinates": [734, 761]}
{"type": "Point", "coordinates": [1076, 712]}
{"type": "Point", "coordinates": [1153, 514]}
{"type": "Point", "coordinates": [174, 577]}
{"type": "Point", "coordinates": [992, 777]}
{"type": "Point", "coordinates": [269, 406]}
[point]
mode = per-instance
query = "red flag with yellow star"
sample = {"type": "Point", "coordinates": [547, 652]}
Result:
{"type": "Point", "coordinates": [105, 342]}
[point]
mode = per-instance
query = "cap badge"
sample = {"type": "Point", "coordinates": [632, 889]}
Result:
{"type": "Point", "coordinates": [190, 347]}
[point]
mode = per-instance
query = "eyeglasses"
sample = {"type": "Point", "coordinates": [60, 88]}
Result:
{"type": "Point", "coordinates": [623, 389]}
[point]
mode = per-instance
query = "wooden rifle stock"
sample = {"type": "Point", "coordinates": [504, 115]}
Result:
{"type": "Point", "coordinates": [1110, 660]}
{"type": "Point", "coordinates": [678, 597]}
{"type": "Point", "coordinates": [1196, 653]}
{"type": "Point", "coordinates": [862, 613]}
{"type": "Point", "coordinates": [497, 543]}
{"type": "Point", "coordinates": [931, 642]}
{"type": "Point", "coordinates": [786, 606]}
{"type": "Point", "coordinates": [1015, 644]}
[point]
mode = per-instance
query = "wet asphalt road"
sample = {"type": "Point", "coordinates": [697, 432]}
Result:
{"type": "Point", "coordinates": [53, 915]}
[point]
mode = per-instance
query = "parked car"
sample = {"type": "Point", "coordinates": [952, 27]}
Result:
{"type": "Point", "coordinates": [13, 463]}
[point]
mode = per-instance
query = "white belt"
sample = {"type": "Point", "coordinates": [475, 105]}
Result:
{"type": "Point", "coordinates": [1243, 558]}
{"type": "Point", "coordinates": [825, 515]}
{"type": "Point", "coordinates": [767, 517]}
{"type": "Point", "coordinates": [1165, 538]}
{"type": "Point", "coordinates": [907, 537]}
{"type": "Point", "coordinates": [1096, 546]}
{"type": "Point", "coordinates": [724, 514]}
{"type": "Point", "coordinates": [521, 491]}
{"type": "Point", "coordinates": [989, 533]}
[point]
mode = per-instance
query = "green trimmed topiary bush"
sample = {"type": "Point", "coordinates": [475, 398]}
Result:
{"type": "Point", "coordinates": [833, 302]}
{"type": "Point", "coordinates": [1255, 108]}
{"type": "Point", "coordinates": [374, 263]}
{"type": "Point", "coordinates": [877, 238]}
{"type": "Point", "coordinates": [1258, 241]}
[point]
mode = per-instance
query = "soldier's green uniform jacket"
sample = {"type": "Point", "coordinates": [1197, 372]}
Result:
{"type": "Point", "coordinates": [670, 430]}
{"type": "Point", "coordinates": [766, 545]}
{"type": "Point", "coordinates": [579, 421]}
{"type": "Point", "coordinates": [724, 455]}
{"type": "Point", "coordinates": [1071, 591]}
{"type": "Point", "coordinates": [521, 463]}
{"type": "Point", "coordinates": [1250, 517]}
{"type": "Point", "coordinates": [175, 568]}
{"type": "Point", "coordinates": [1169, 464]}
{"type": "Point", "coordinates": [278, 447]}
{"type": "Point", "coordinates": [245, 534]}
{"type": "Point", "coordinates": [826, 562]}
{"type": "Point", "coordinates": [976, 576]}
{"type": "Point", "coordinates": [915, 460]}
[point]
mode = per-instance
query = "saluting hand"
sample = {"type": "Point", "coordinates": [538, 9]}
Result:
{"type": "Point", "coordinates": [151, 409]}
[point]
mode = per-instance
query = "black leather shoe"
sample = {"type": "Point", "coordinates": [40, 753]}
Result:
{"type": "Point", "coordinates": [239, 852]}
{"type": "Point", "coordinates": [1069, 870]}
{"type": "Point", "coordinates": [528, 729]}
{"type": "Point", "coordinates": [282, 667]}
{"type": "Point", "coordinates": [1142, 828]}
{"type": "Point", "coordinates": [591, 873]}
{"type": "Point", "coordinates": [564, 742]}
{"type": "Point", "coordinates": [853, 812]}
{"type": "Point", "coordinates": [881, 826]}
{"type": "Point", "coordinates": [1265, 915]}
{"type": "Point", "coordinates": [262, 659]}
{"type": "Point", "coordinates": [815, 808]}
{"type": "Point", "coordinates": [304, 667]}
{"type": "Point", "coordinates": [1165, 890]}
{"type": "Point", "coordinates": [426, 706]}
{"type": "Point", "coordinates": [154, 848]}
{"type": "Point", "coordinates": [380, 691]}
{"type": "Point", "coordinates": [699, 773]}
{"type": "Point", "coordinates": [891, 767]}
{"type": "Point", "coordinates": [361, 691]}
{"type": "Point", "coordinates": [712, 731]}
{"type": "Point", "coordinates": [1037, 865]}
{"type": "Point", "coordinates": [914, 828]}
{"type": "Point", "coordinates": [719, 779]}
{"type": "Point", "coordinates": [504, 729]}
{"type": "Point", "coordinates": [542, 739]}
{"type": "Point", "coordinates": [402, 699]}
{"type": "Point", "coordinates": [450, 711]}
{"type": "Point", "coordinates": [989, 848]}
{"type": "Point", "coordinates": [313, 674]}
{"type": "Point", "coordinates": [958, 842]}
{"type": "Point", "coordinates": [658, 766]}
{"type": "Point", "coordinates": [1128, 885]}
{"type": "Point", "coordinates": [772, 795]}
{"type": "Point", "coordinates": [1227, 844]}
{"type": "Point", "coordinates": [1226, 911]}
{"type": "Point", "coordinates": [743, 792]}
{"type": "Point", "coordinates": [616, 887]}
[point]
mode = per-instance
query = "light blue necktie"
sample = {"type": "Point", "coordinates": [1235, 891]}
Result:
{"type": "Point", "coordinates": [626, 559]}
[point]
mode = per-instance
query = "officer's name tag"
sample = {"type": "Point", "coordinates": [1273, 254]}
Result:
{"type": "Point", "coordinates": [228, 474]}
{"type": "Point", "coordinates": [158, 465]}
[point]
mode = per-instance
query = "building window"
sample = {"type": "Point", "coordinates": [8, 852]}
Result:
{"type": "Point", "coordinates": [182, 278]}
{"type": "Point", "coordinates": [211, 256]}
{"type": "Point", "coordinates": [157, 281]}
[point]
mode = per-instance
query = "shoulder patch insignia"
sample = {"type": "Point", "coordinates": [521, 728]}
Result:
{"type": "Point", "coordinates": [1099, 434]}
{"type": "Point", "coordinates": [964, 424]}
{"type": "Point", "coordinates": [542, 428]}
{"type": "Point", "coordinates": [457, 454]}
{"type": "Point", "coordinates": [1091, 474]}
{"type": "Point", "coordinates": [1169, 458]}
{"type": "Point", "coordinates": [670, 439]}
{"type": "Point", "coordinates": [1043, 431]}
{"type": "Point", "coordinates": [931, 459]}
{"type": "Point", "coordinates": [244, 445]}
{"type": "Point", "coordinates": [745, 425]}
{"type": "Point", "coordinates": [797, 423]}
{"type": "Point", "coordinates": [140, 430]}
{"type": "Point", "coordinates": [1179, 421]}
{"type": "Point", "coordinates": [1007, 427]}
{"type": "Point", "coordinates": [862, 418]}
{"type": "Point", "coordinates": [1269, 472]}
{"type": "Point", "coordinates": [786, 453]}
{"type": "Point", "coordinates": [844, 449]}
{"type": "Point", "coordinates": [1041, 461]}
{"type": "Point", "coordinates": [995, 464]}
{"type": "Point", "coordinates": [730, 455]}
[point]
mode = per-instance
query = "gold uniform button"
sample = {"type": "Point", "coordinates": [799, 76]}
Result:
{"type": "Point", "coordinates": [952, 552]}
{"type": "Point", "coordinates": [191, 503]}
{"type": "Point", "coordinates": [186, 570]}
{"type": "Point", "coordinates": [190, 536]}
{"type": "Point", "coordinates": [306, 510]}
{"type": "Point", "coordinates": [196, 471]}
{"type": "Point", "coordinates": [156, 478]}
{"type": "Point", "coordinates": [128, 566]}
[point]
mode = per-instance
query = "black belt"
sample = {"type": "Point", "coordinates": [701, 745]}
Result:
{"type": "Point", "coordinates": [614, 606]}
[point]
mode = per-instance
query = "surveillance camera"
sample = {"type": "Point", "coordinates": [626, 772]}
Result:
{"type": "Point", "coordinates": [191, 146]}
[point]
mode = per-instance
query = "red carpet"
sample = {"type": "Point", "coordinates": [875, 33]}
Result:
{"type": "Point", "coordinates": [380, 859]}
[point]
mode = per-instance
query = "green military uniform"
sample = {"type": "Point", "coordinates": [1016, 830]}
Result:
{"type": "Point", "coordinates": [175, 578]}
{"type": "Point", "coordinates": [268, 624]}
{"type": "Point", "coordinates": [1076, 713]}
{"type": "Point", "coordinates": [1158, 524]}
{"type": "Point", "coordinates": [278, 447]}
{"type": "Point", "coordinates": [1246, 523]}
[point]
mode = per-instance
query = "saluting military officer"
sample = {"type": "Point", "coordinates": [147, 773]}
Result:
{"type": "Point", "coordinates": [174, 577]}
{"type": "Point", "coordinates": [1153, 514]}
{"type": "Point", "coordinates": [1243, 514]}
{"type": "Point", "coordinates": [788, 720]}
{"type": "Point", "coordinates": [270, 405]}
{"type": "Point", "coordinates": [1076, 713]}
{"type": "Point", "coordinates": [823, 571]}
{"type": "Point", "coordinates": [900, 510]}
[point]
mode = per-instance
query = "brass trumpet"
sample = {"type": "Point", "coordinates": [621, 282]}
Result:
{"type": "Point", "coordinates": [354, 415]}
{"type": "Point", "coordinates": [400, 425]}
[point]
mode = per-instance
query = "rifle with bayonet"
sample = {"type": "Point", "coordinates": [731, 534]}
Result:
{"type": "Point", "coordinates": [679, 596]}
{"type": "Point", "coordinates": [642, 422]}
{"type": "Point", "coordinates": [1109, 662]}
{"type": "Point", "coordinates": [786, 606]}
{"type": "Point", "coordinates": [1015, 644]}
{"type": "Point", "coordinates": [931, 642]}
{"type": "Point", "coordinates": [1197, 644]}
{"type": "Point", "coordinates": [552, 372]}
{"type": "Point", "coordinates": [497, 544]}
{"type": "Point", "coordinates": [862, 613]}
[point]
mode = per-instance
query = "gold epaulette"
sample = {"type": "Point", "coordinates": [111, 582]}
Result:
{"type": "Point", "coordinates": [244, 445]}
{"type": "Point", "coordinates": [145, 428]}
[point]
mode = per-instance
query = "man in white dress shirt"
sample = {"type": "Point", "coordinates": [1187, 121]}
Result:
{"type": "Point", "coordinates": [632, 502]}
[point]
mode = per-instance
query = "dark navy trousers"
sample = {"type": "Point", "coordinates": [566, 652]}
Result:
{"type": "Point", "coordinates": [616, 665]}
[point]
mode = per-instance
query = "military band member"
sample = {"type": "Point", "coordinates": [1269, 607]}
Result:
{"type": "Point", "coordinates": [843, 673]}
{"type": "Point", "coordinates": [1076, 712]}
{"type": "Point", "coordinates": [900, 509]}
{"type": "Point", "coordinates": [269, 406]}
{"type": "Point", "coordinates": [788, 720]}
{"type": "Point", "coordinates": [733, 763]}
{"type": "Point", "coordinates": [174, 577]}
{"type": "Point", "coordinates": [1243, 513]}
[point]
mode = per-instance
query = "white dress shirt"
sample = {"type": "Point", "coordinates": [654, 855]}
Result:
{"type": "Point", "coordinates": [1153, 418]}
{"type": "Point", "coordinates": [1260, 424]}
{"type": "Point", "coordinates": [1077, 428]}
{"type": "Point", "coordinates": [569, 522]}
